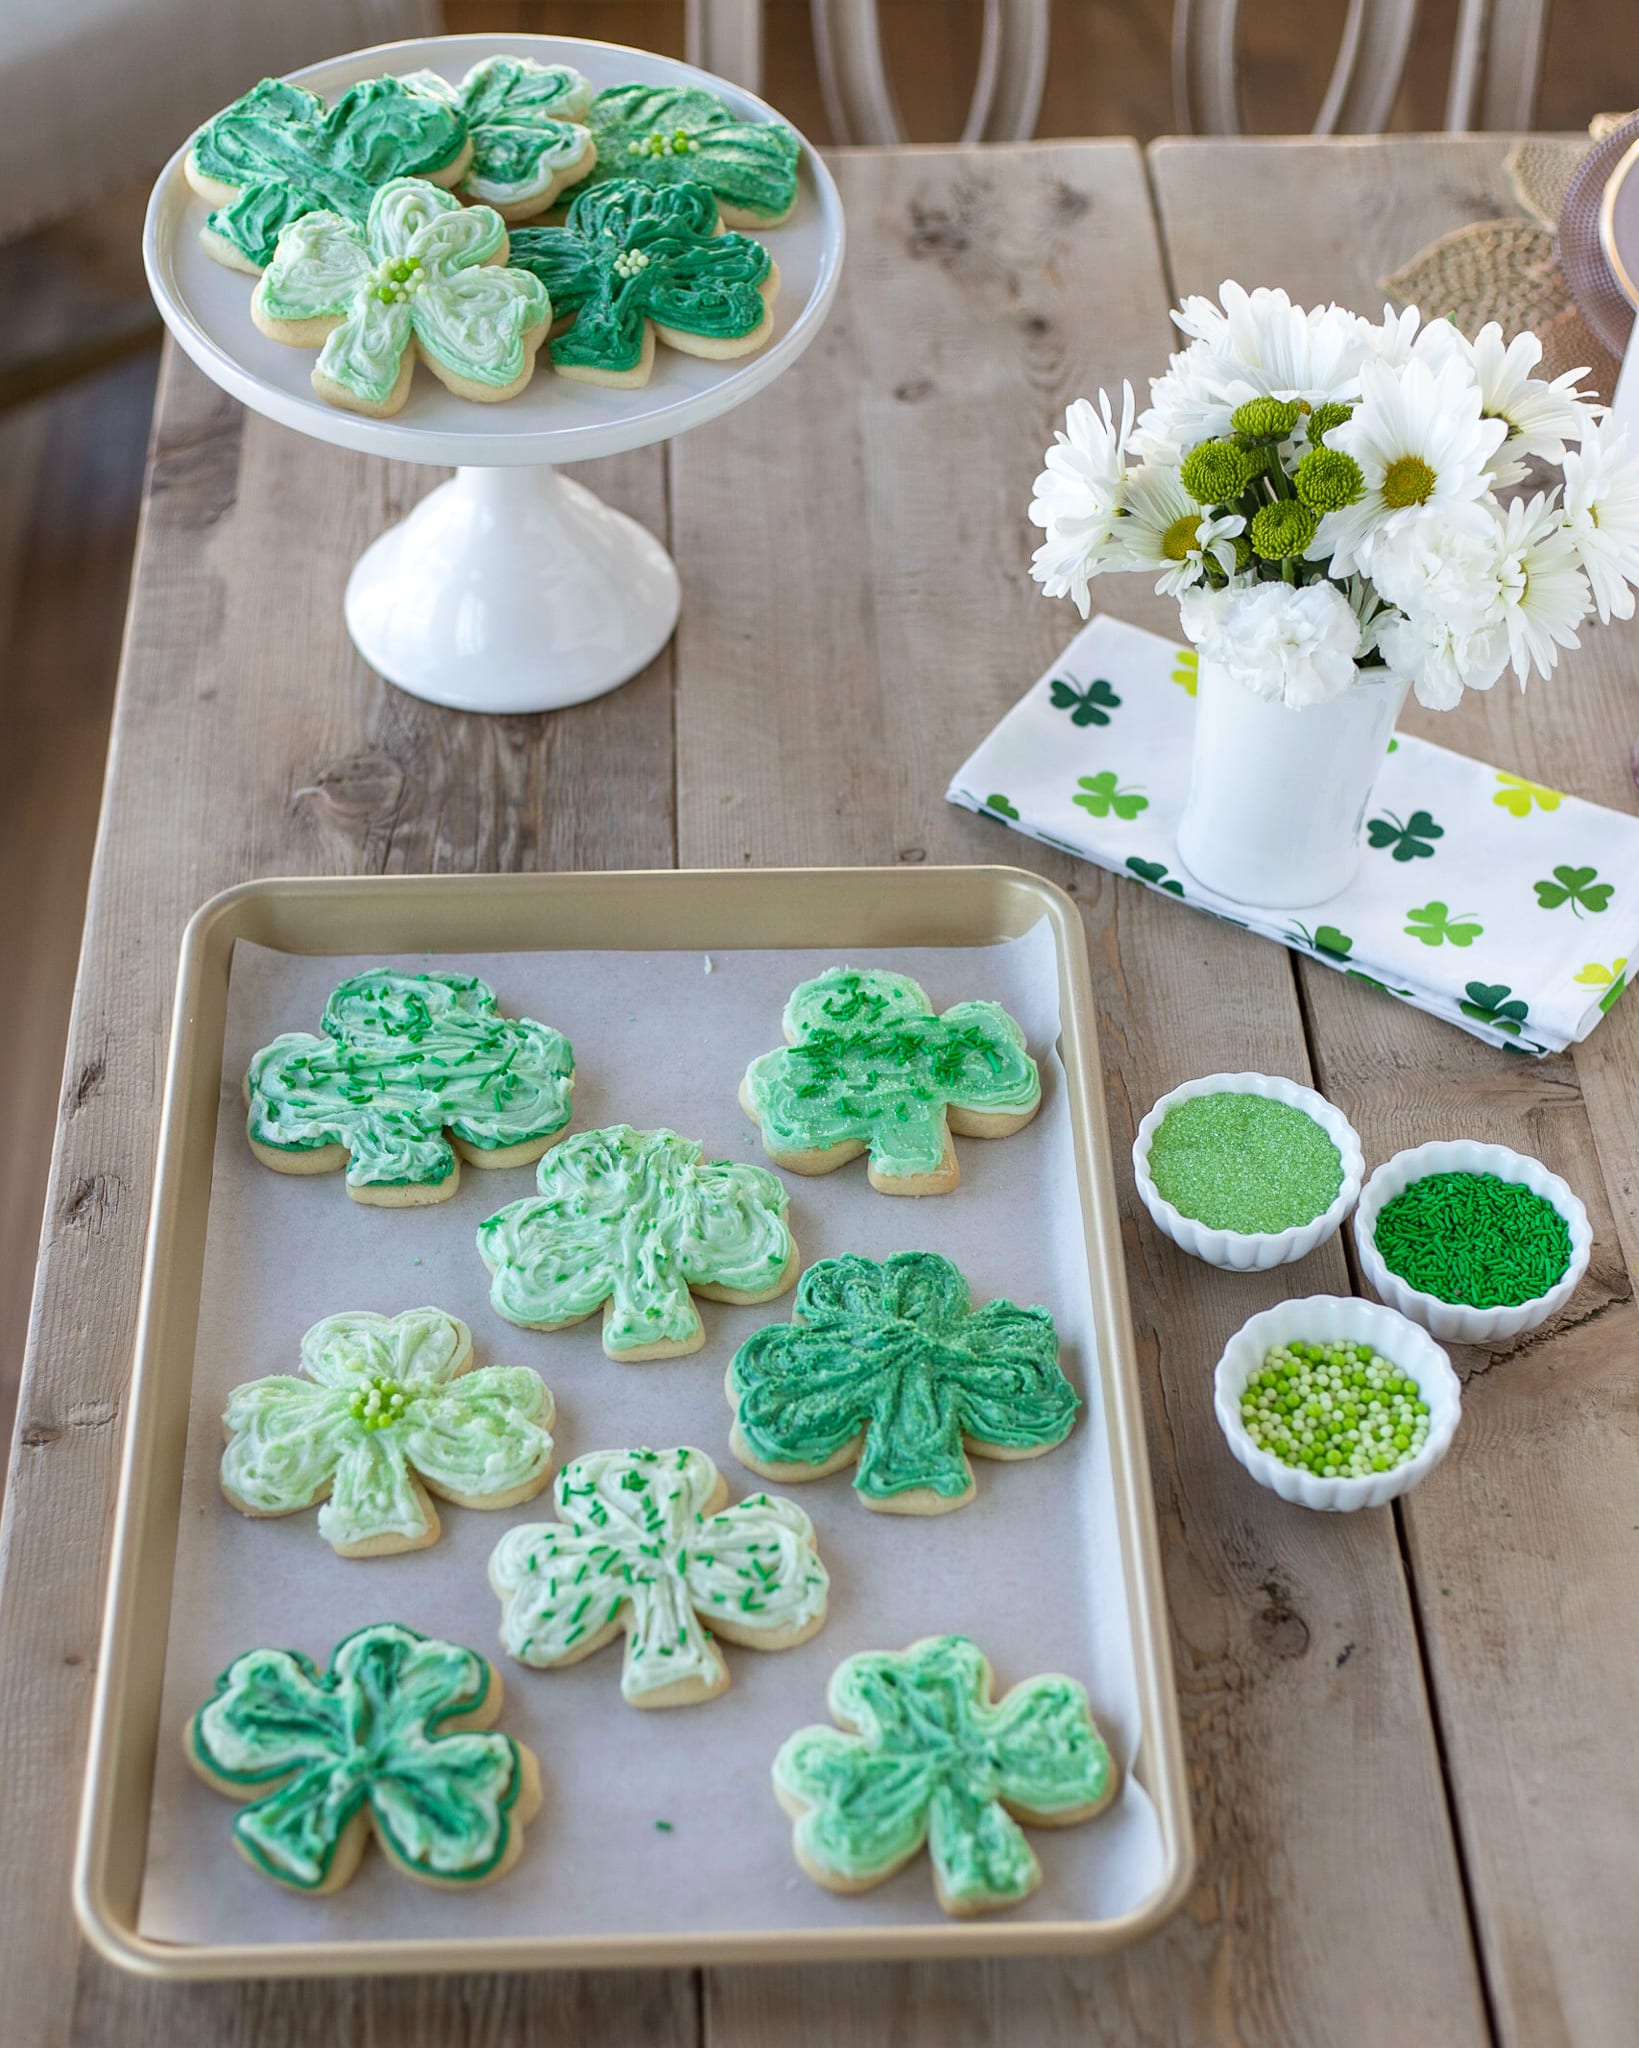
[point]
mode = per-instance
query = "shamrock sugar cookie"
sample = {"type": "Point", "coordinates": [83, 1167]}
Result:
{"type": "Point", "coordinates": [636, 263]}
{"type": "Point", "coordinates": [646, 1545]}
{"type": "Point", "coordinates": [632, 1222]}
{"type": "Point", "coordinates": [922, 1753]}
{"type": "Point", "coordinates": [868, 1067]}
{"type": "Point", "coordinates": [665, 134]}
{"type": "Point", "coordinates": [403, 1058]}
{"type": "Point", "coordinates": [525, 122]}
{"type": "Point", "coordinates": [393, 1740]}
{"type": "Point", "coordinates": [388, 1414]}
{"type": "Point", "coordinates": [892, 1367]}
{"type": "Point", "coordinates": [425, 276]}
{"type": "Point", "coordinates": [278, 153]}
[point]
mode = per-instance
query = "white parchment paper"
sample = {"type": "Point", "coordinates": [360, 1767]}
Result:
{"type": "Point", "coordinates": [1031, 1568]}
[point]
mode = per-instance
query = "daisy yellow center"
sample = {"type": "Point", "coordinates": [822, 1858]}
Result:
{"type": "Point", "coordinates": [1408, 480]}
{"type": "Point", "coordinates": [1179, 541]}
{"type": "Point", "coordinates": [378, 1401]}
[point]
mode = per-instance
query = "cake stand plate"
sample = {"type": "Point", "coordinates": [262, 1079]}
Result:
{"type": "Point", "coordinates": [509, 588]}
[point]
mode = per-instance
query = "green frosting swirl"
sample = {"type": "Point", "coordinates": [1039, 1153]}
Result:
{"type": "Point", "coordinates": [924, 1755]}
{"type": "Point", "coordinates": [665, 134]}
{"type": "Point", "coordinates": [632, 253]}
{"type": "Point", "coordinates": [402, 1057]}
{"type": "Point", "coordinates": [635, 1219]}
{"type": "Point", "coordinates": [385, 1398]}
{"type": "Point", "coordinates": [287, 155]}
{"type": "Point", "coordinates": [870, 1063]}
{"type": "Point", "coordinates": [525, 123]}
{"type": "Point", "coordinates": [894, 1362]}
{"type": "Point", "coordinates": [639, 1547]}
{"type": "Point", "coordinates": [316, 1748]}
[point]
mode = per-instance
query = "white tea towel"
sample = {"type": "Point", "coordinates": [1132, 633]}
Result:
{"type": "Point", "coordinates": [1509, 909]}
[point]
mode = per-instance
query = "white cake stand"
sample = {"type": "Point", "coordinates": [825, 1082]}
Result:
{"type": "Point", "coordinates": [508, 588]}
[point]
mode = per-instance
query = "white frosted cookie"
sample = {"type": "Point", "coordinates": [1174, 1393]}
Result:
{"type": "Point", "coordinates": [648, 1546]}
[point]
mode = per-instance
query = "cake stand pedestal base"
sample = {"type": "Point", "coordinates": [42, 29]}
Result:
{"type": "Point", "coordinates": [511, 590]}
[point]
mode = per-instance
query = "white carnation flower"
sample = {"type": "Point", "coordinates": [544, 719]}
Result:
{"type": "Point", "coordinates": [1293, 644]}
{"type": "Point", "coordinates": [1079, 498]}
{"type": "Point", "coordinates": [1602, 516]}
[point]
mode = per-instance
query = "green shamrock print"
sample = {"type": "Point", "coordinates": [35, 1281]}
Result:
{"type": "Point", "coordinates": [1597, 975]}
{"type": "Point", "coordinates": [278, 153]}
{"type": "Point", "coordinates": [1325, 938]}
{"type": "Point", "coordinates": [923, 1754]}
{"type": "Point", "coordinates": [1091, 706]}
{"type": "Point", "coordinates": [1102, 795]}
{"type": "Point", "coordinates": [1186, 669]}
{"type": "Point", "coordinates": [647, 1544]}
{"type": "Point", "coordinates": [387, 1414]}
{"type": "Point", "coordinates": [403, 1058]}
{"type": "Point", "coordinates": [317, 1754]}
{"type": "Point", "coordinates": [891, 1365]}
{"type": "Point", "coordinates": [1155, 873]}
{"type": "Point", "coordinates": [1494, 1003]}
{"type": "Point", "coordinates": [525, 120]}
{"type": "Point", "coordinates": [1002, 808]}
{"type": "Point", "coordinates": [1434, 925]}
{"type": "Point", "coordinates": [1411, 840]}
{"type": "Point", "coordinates": [635, 261]}
{"type": "Point", "coordinates": [1579, 887]}
{"type": "Point", "coordinates": [1517, 796]}
{"type": "Point", "coordinates": [631, 1221]}
{"type": "Point", "coordinates": [664, 134]}
{"type": "Point", "coordinates": [424, 277]}
{"type": "Point", "coordinates": [868, 1066]}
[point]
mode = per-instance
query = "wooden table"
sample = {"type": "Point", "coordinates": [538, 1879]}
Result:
{"type": "Point", "coordinates": [1410, 1733]}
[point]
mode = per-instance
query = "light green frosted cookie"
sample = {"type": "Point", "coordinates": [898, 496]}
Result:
{"type": "Point", "coordinates": [394, 1740]}
{"type": "Point", "coordinates": [388, 1413]}
{"type": "Point", "coordinates": [631, 1222]}
{"type": "Point", "coordinates": [403, 1059]}
{"type": "Point", "coordinates": [922, 1754]}
{"type": "Point", "coordinates": [647, 1545]}
{"type": "Point", "coordinates": [424, 277]}
{"type": "Point", "coordinates": [869, 1067]}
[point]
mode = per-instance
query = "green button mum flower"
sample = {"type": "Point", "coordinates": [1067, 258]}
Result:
{"type": "Point", "coordinates": [1324, 418]}
{"type": "Point", "coordinates": [1218, 471]}
{"type": "Point", "coordinates": [1326, 480]}
{"type": "Point", "coordinates": [923, 1754]}
{"type": "Point", "coordinates": [1267, 419]}
{"type": "Point", "coordinates": [1282, 530]}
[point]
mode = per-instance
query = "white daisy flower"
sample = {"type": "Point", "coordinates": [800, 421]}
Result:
{"type": "Point", "coordinates": [1545, 594]}
{"type": "Point", "coordinates": [1079, 497]}
{"type": "Point", "coordinates": [1541, 417]}
{"type": "Point", "coordinates": [1163, 528]}
{"type": "Point", "coordinates": [1422, 446]}
{"type": "Point", "coordinates": [1602, 516]}
{"type": "Point", "coordinates": [1293, 644]}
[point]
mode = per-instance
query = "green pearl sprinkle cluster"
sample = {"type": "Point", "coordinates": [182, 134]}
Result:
{"type": "Point", "coordinates": [1339, 1410]}
{"type": "Point", "coordinates": [378, 1402]}
{"type": "Point", "coordinates": [678, 143]}
{"type": "Point", "coordinates": [631, 263]}
{"type": "Point", "coordinates": [397, 279]}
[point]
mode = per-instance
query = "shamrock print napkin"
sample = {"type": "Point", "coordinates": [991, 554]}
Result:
{"type": "Point", "coordinates": [1509, 909]}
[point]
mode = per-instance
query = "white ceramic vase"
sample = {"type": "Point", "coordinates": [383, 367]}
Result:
{"type": "Point", "coordinates": [1277, 797]}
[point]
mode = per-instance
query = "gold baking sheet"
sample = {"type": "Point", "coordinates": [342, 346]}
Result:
{"type": "Point", "coordinates": [729, 918]}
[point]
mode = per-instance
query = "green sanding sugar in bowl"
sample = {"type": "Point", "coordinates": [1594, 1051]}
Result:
{"type": "Point", "coordinates": [1244, 1162]}
{"type": "Point", "coordinates": [1474, 1239]}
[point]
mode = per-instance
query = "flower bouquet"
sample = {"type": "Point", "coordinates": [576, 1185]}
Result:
{"type": "Point", "coordinates": [1345, 510]}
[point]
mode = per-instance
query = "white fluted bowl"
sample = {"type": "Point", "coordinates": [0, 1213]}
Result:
{"type": "Point", "coordinates": [1337, 1319]}
{"type": "Point", "coordinates": [1243, 1251]}
{"type": "Point", "coordinates": [1454, 1322]}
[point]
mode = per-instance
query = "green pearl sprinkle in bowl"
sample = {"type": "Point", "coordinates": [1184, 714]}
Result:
{"type": "Point", "coordinates": [1337, 1319]}
{"type": "Point", "coordinates": [1457, 1322]}
{"type": "Point", "coordinates": [1251, 1251]}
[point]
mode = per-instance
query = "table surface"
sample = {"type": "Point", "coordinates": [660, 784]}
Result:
{"type": "Point", "coordinates": [1409, 1732]}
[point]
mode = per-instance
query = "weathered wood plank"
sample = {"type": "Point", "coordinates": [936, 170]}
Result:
{"type": "Point", "coordinates": [1525, 1544]}
{"type": "Point", "coordinates": [248, 739]}
{"type": "Point", "coordinates": [855, 552]}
